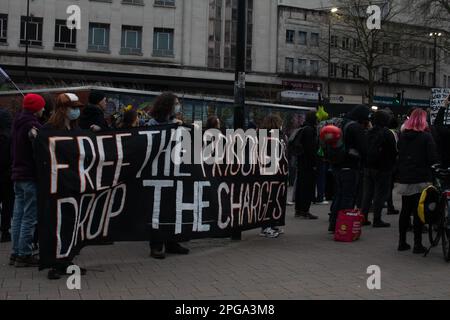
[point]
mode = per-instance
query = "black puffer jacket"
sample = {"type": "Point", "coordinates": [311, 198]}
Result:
{"type": "Point", "coordinates": [309, 140]}
{"type": "Point", "coordinates": [417, 153]}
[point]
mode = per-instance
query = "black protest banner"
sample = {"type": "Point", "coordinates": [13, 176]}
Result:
{"type": "Point", "coordinates": [130, 185]}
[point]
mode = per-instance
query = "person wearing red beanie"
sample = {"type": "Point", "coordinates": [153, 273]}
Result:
{"type": "Point", "coordinates": [24, 176]}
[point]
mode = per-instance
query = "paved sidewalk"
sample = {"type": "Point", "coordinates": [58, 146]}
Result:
{"type": "Point", "coordinates": [304, 263]}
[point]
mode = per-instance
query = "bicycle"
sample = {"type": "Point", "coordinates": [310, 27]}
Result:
{"type": "Point", "coordinates": [436, 212]}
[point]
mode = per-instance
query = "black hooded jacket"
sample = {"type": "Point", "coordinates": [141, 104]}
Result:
{"type": "Point", "coordinates": [93, 115]}
{"type": "Point", "coordinates": [355, 138]}
{"type": "Point", "coordinates": [443, 137]}
{"type": "Point", "coordinates": [310, 143]}
{"type": "Point", "coordinates": [416, 154]}
{"type": "Point", "coordinates": [5, 144]}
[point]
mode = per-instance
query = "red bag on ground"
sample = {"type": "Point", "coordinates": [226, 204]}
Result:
{"type": "Point", "coordinates": [348, 225]}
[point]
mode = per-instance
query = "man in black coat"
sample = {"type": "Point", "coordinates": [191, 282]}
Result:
{"type": "Point", "coordinates": [379, 166]}
{"type": "Point", "coordinates": [442, 130]}
{"type": "Point", "coordinates": [6, 185]}
{"type": "Point", "coordinates": [93, 115]}
{"type": "Point", "coordinates": [307, 167]}
{"type": "Point", "coordinates": [346, 174]}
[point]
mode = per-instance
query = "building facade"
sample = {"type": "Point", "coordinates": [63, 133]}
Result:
{"type": "Point", "coordinates": [170, 42]}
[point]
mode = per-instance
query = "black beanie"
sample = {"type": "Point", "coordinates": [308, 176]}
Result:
{"type": "Point", "coordinates": [96, 96]}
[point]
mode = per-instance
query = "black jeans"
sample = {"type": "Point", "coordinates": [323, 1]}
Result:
{"type": "Point", "coordinates": [346, 185]}
{"type": "Point", "coordinates": [7, 201]}
{"type": "Point", "coordinates": [305, 188]}
{"type": "Point", "coordinates": [409, 207]}
{"type": "Point", "coordinates": [390, 200]}
{"type": "Point", "coordinates": [377, 185]}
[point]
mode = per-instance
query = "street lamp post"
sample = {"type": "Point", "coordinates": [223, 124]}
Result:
{"type": "Point", "coordinates": [333, 10]}
{"type": "Point", "coordinates": [435, 35]}
{"type": "Point", "coordinates": [240, 110]}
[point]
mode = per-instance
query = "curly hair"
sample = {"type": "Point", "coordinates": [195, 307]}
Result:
{"type": "Point", "coordinates": [164, 106]}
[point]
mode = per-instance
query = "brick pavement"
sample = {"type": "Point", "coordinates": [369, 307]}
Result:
{"type": "Point", "coordinates": [304, 263]}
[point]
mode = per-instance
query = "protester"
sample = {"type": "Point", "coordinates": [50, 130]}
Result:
{"type": "Point", "coordinates": [213, 122]}
{"type": "Point", "coordinates": [322, 168]}
{"type": "Point", "coordinates": [346, 173]}
{"type": "Point", "coordinates": [442, 126]}
{"type": "Point", "coordinates": [417, 153]}
{"type": "Point", "coordinates": [66, 113]}
{"type": "Point", "coordinates": [93, 115]}
{"type": "Point", "coordinates": [164, 112]}
{"type": "Point", "coordinates": [24, 219]}
{"type": "Point", "coordinates": [64, 117]}
{"type": "Point", "coordinates": [307, 147]}
{"type": "Point", "coordinates": [379, 165]}
{"type": "Point", "coordinates": [271, 122]}
{"type": "Point", "coordinates": [130, 119]}
{"type": "Point", "coordinates": [6, 185]}
{"type": "Point", "coordinates": [393, 128]}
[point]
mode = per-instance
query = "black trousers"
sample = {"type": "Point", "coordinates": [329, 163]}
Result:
{"type": "Point", "coordinates": [7, 201]}
{"type": "Point", "coordinates": [409, 207]}
{"type": "Point", "coordinates": [305, 188]}
{"type": "Point", "coordinates": [376, 185]}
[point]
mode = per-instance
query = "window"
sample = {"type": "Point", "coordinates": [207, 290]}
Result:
{"type": "Point", "coordinates": [314, 68]}
{"type": "Point", "coordinates": [431, 79]}
{"type": "Point", "coordinates": [422, 53]}
{"type": "Point", "coordinates": [314, 39]}
{"type": "Point", "coordinates": [302, 38]}
{"type": "Point", "coordinates": [396, 49]}
{"type": "Point", "coordinates": [356, 44]}
{"type": "Point", "coordinates": [385, 75]}
{"type": "Point", "coordinates": [375, 46]}
{"type": "Point", "coordinates": [412, 77]}
{"type": "Point", "coordinates": [3, 28]}
{"type": "Point", "coordinates": [65, 37]}
{"type": "Point", "coordinates": [422, 78]}
{"type": "Point", "coordinates": [333, 69]}
{"type": "Point", "coordinates": [289, 68]}
{"type": "Point", "coordinates": [98, 37]}
{"type": "Point", "coordinates": [163, 42]}
{"type": "Point", "coordinates": [302, 66]}
{"type": "Point", "coordinates": [166, 3]}
{"type": "Point", "coordinates": [386, 48]}
{"type": "Point", "coordinates": [344, 71]}
{"type": "Point", "coordinates": [34, 31]}
{"type": "Point", "coordinates": [136, 2]}
{"type": "Point", "coordinates": [444, 83]}
{"type": "Point", "coordinates": [345, 43]}
{"type": "Point", "coordinates": [396, 74]}
{"type": "Point", "coordinates": [290, 35]}
{"type": "Point", "coordinates": [131, 40]}
{"type": "Point", "coordinates": [412, 51]}
{"type": "Point", "coordinates": [430, 53]}
{"type": "Point", "coordinates": [334, 41]}
{"type": "Point", "coordinates": [356, 71]}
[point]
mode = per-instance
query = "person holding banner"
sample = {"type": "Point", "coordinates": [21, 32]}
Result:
{"type": "Point", "coordinates": [93, 115]}
{"type": "Point", "coordinates": [66, 114]}
{"type": "Point", "coordinates": [164, 111]}
{"type": "Point", "coordinates": [6, 185]}
{"type": "Point", "coordinates": [24, 219]}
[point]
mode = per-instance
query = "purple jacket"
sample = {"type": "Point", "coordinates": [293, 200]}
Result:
{"type": "Point", "coordinates": [23, 163]}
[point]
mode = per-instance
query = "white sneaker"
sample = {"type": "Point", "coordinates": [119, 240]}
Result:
{"type": "Point", "coordinates": [290, 203]}
{"type": "Point", "coordinates": [279, 230]}
{"type": "Point", "coordinates": [269, 233]}
{"type": "Point", "coordinates": [322, 203]}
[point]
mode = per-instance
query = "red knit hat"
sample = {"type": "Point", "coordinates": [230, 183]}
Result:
{"type": "Point", "coordinates": [33, 102]}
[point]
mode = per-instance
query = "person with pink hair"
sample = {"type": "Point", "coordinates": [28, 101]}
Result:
{"type": "Point", "coordinates": [417, 153]}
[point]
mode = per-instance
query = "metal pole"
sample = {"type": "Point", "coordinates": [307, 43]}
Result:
{"type": "Point", "coordinates": [329, 59]}
{"type": "Point", "coordinates": [240, 110]}
{"type": "Point", "coordinates": [27, 41]}
{"type": "Point", "coordinates": [435, 61]}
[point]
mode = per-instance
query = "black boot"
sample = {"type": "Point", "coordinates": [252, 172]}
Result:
{"type": "Point", "coordinates": [381, 224]}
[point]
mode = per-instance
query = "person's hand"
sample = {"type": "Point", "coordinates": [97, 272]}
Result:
{"type": "Point", "coordinates": [95, 128]}
{"type": "Point", "coordinates": [33, 133]}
